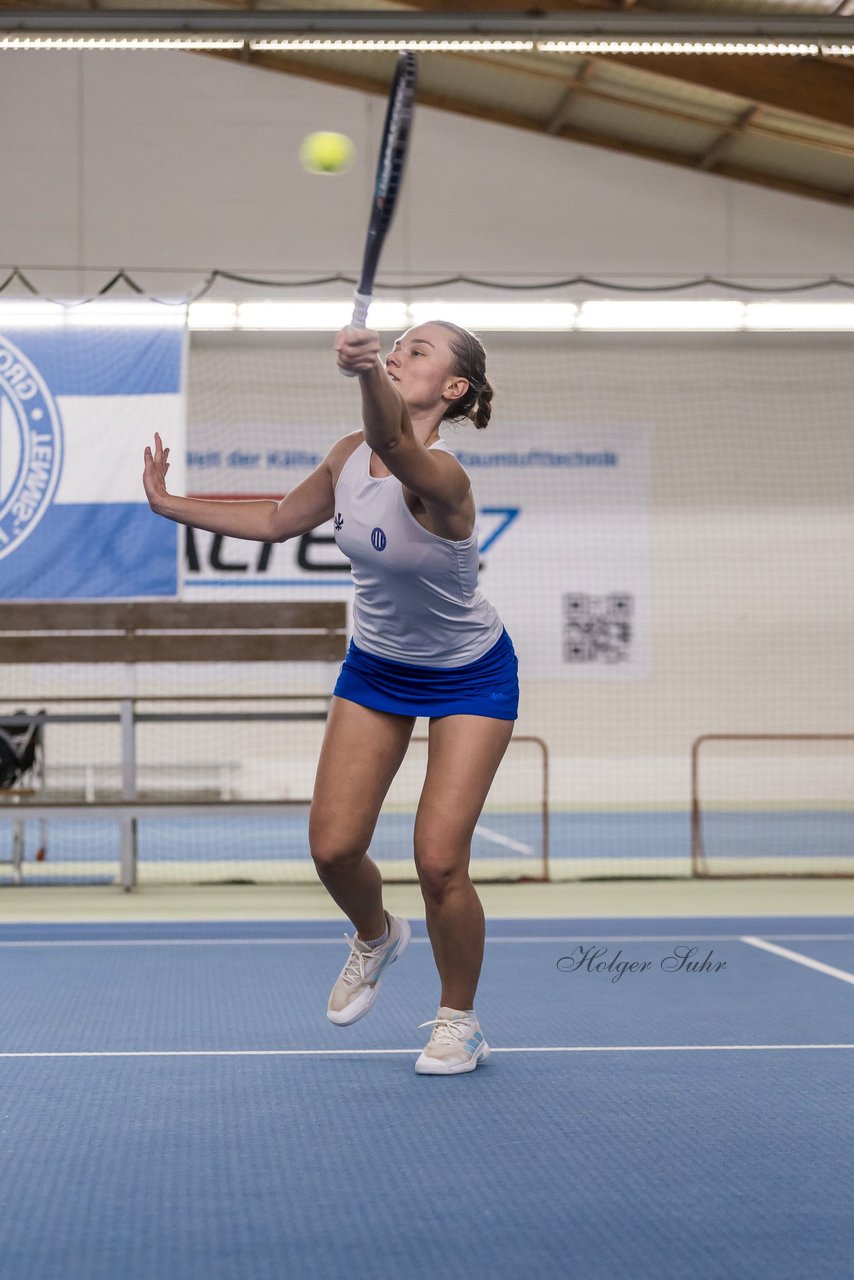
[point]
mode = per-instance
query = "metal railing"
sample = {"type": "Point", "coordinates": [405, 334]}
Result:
{"type": "Point", "coordinates": [28, 802]}
{"type": "Point", "coordinates": [130, 807]}
{"type": "Point", "coordinates": [699, 859]}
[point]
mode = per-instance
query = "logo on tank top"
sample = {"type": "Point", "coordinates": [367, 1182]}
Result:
{"type": "Point", "coordinates": [338, 522]}
{"type": "Point", "coordinates": [378, 539]}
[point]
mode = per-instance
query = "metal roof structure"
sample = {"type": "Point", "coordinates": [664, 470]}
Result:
{"type": "Point", "coordinates": [779, 119]}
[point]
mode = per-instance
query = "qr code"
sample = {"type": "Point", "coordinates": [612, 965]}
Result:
{"type": "Point", "coordinates": [597, 628]}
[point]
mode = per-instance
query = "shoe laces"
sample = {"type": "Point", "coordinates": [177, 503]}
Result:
{"type": "Point", "coordinates": [448, 1030]}
{"type": "Point", "coordinates": [354, 969]}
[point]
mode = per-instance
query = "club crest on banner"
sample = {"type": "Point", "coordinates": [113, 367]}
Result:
{"type": "Point", "coordinates": [31, 444]}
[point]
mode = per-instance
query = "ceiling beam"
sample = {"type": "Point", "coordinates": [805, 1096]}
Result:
{"type": "Point", "coordinates": [293, 65]}
{"type": "Point", "coordinates": [725, 140]}
{"type": "Point", "coordinates": [581, 86]}
{"type": "Point", "coordinates": [807, 87]}
{"type": "Point", "coordinates": [811, 87]}
{"type": "Point", "coordinates": [536, 24]}
{"type": "Point", "coordinates": [746, 122]}
{"type": "Point", "coordinates": [569, 96]}
{"type": "Point", "coordinates": [514, 6]}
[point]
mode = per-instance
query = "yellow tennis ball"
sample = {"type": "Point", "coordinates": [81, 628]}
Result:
{"type": "Point", "coordinates": [326, 152]}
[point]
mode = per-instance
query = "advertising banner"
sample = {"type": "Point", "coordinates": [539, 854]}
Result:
{"type": "Point", "coordinates": [78, 404]}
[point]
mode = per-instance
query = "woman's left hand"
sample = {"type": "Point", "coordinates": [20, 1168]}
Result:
{"type": "Point", "coordinates": [358, 349]}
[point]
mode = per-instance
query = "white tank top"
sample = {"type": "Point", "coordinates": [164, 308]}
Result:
{"type": "Point", "coordinates": [417, 598]}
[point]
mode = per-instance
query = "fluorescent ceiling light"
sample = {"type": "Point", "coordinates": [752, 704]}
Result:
{"type": "Point", "coordinates": [118, 315]}
{"type": "Point", "coordinates": [291, 315]}
{"type": "Point", "coordinates": [212, 315]}
{"type": "Point", "coordinates": [119, 44]}
{"type": "Point", "coordinates": [596, 315]}
{"type": "Point", "coordinates": [727, 48]}
{"type": "Point", "coordinates": [593, 45]}
{"type": "Point", "coordinates": [126, 315]}
{"type": "Point", "coordinates": [800, 317]}
{"type": "Point", "coordinates": [449, 31]}
{"type": "Point", "coordinates": [660, 316]}
{"type": "Point", "coordinates": [380, 45]}
{"type": "Point", "coordinates": [323, 316]}
{"type": "Point", "coordinates": [512, 316]}
{"type": "Point", "coordinates": [385, 316]}
{"type": "Point", "coordinates": [31, 315]}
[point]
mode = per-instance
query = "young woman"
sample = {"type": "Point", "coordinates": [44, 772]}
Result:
{"type": "Point", "coordinates": [426, 642]}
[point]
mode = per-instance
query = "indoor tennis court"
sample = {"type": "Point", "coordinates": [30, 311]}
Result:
{"type": "Point", "coordinates": [644, 216]}
{"type": "Point", "coordinates": [175, 1103]}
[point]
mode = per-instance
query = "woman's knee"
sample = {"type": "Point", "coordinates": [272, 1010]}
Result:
{"type": "Point", "coordinates": [332, 854]}
{"type": "Point", "coordinates": [440, 870]}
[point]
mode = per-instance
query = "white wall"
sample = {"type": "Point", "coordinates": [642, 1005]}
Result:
{"type": "Point", "coordinates": [182, 161]}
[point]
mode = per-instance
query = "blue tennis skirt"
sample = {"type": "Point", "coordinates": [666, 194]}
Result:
{"type": "Point", "coordinates": [487, 687]}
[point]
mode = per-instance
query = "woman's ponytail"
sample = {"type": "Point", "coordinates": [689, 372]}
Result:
{"type": "Point", "coordinates": [469, 363]}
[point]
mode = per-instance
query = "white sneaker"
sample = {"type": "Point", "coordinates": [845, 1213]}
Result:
{"type": "Point", "coordinates": [358, 983]}
{"type": "Point", "coordinates": [456, 1045]}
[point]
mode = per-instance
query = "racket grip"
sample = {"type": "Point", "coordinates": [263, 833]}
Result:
{"type": "Point", "coordinates": [361, 302]}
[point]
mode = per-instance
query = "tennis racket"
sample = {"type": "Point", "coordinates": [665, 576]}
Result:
{"type": "Point", "coordinates": [392, 158]}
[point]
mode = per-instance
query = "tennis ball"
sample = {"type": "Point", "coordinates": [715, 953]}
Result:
{"type": "Point", "coordinates": [326, 153]}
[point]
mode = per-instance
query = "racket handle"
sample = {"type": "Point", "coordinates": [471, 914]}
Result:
{"type": "Point", "coordinates": [361, 302]}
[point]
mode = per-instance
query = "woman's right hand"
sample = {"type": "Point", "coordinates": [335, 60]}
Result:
{"type": "Point", "coordinates": [154, 475]}
{"type": "Point", "coordinates": [358, 349]}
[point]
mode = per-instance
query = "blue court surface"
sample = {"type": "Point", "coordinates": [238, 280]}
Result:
{"type": "Point", "coordinates": [174, 1103]}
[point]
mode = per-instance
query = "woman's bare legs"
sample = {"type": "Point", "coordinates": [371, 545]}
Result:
{"type": "Point", "coordinates": [362, 751]}
{"type": "Point", "coordinates": [464, 755]}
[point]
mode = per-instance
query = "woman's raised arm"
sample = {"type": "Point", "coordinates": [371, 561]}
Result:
{"type": "Point", "coordinates": [310, 504]}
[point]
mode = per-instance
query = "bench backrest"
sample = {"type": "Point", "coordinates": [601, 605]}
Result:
{"type": "Point", "coordinates": [173, 631]}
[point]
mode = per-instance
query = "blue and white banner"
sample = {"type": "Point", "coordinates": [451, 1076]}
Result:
{"type": "Point", "coordinates": [77, 407]}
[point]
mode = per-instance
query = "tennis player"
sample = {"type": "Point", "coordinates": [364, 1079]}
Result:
{"type": "Point", "coordinates": [426, 642]}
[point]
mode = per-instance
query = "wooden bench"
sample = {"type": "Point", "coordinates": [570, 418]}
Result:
{"type": "Point", "coordinates": [173, 631]}
{"type": "Point", "coordinates": [153, 632]}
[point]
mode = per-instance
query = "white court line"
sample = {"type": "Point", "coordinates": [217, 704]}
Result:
{"type": "Point", "coordinates": [497, 838]}
{"type": "Point", "coordinates": [511, 938]}
{"type": "Point", "coordinates": [339, 1053]}
{"type": "Point", "coordinates": [183, 942]}
{"type": "Point", "coordinates": [798, 958]}
{"type": "Point", "coordinates": [811, 937]}
{"type": "Point", "coordinates": [668, 1048]}
{"type": "Point", "coordinates": [322, 942]}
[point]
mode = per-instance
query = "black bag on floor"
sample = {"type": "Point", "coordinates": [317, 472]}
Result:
{"type": "Point", "coordinates": [20, 747]}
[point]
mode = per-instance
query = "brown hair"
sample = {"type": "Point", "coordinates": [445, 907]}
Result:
{"type": "Point", "coordinates": [470, 363]}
